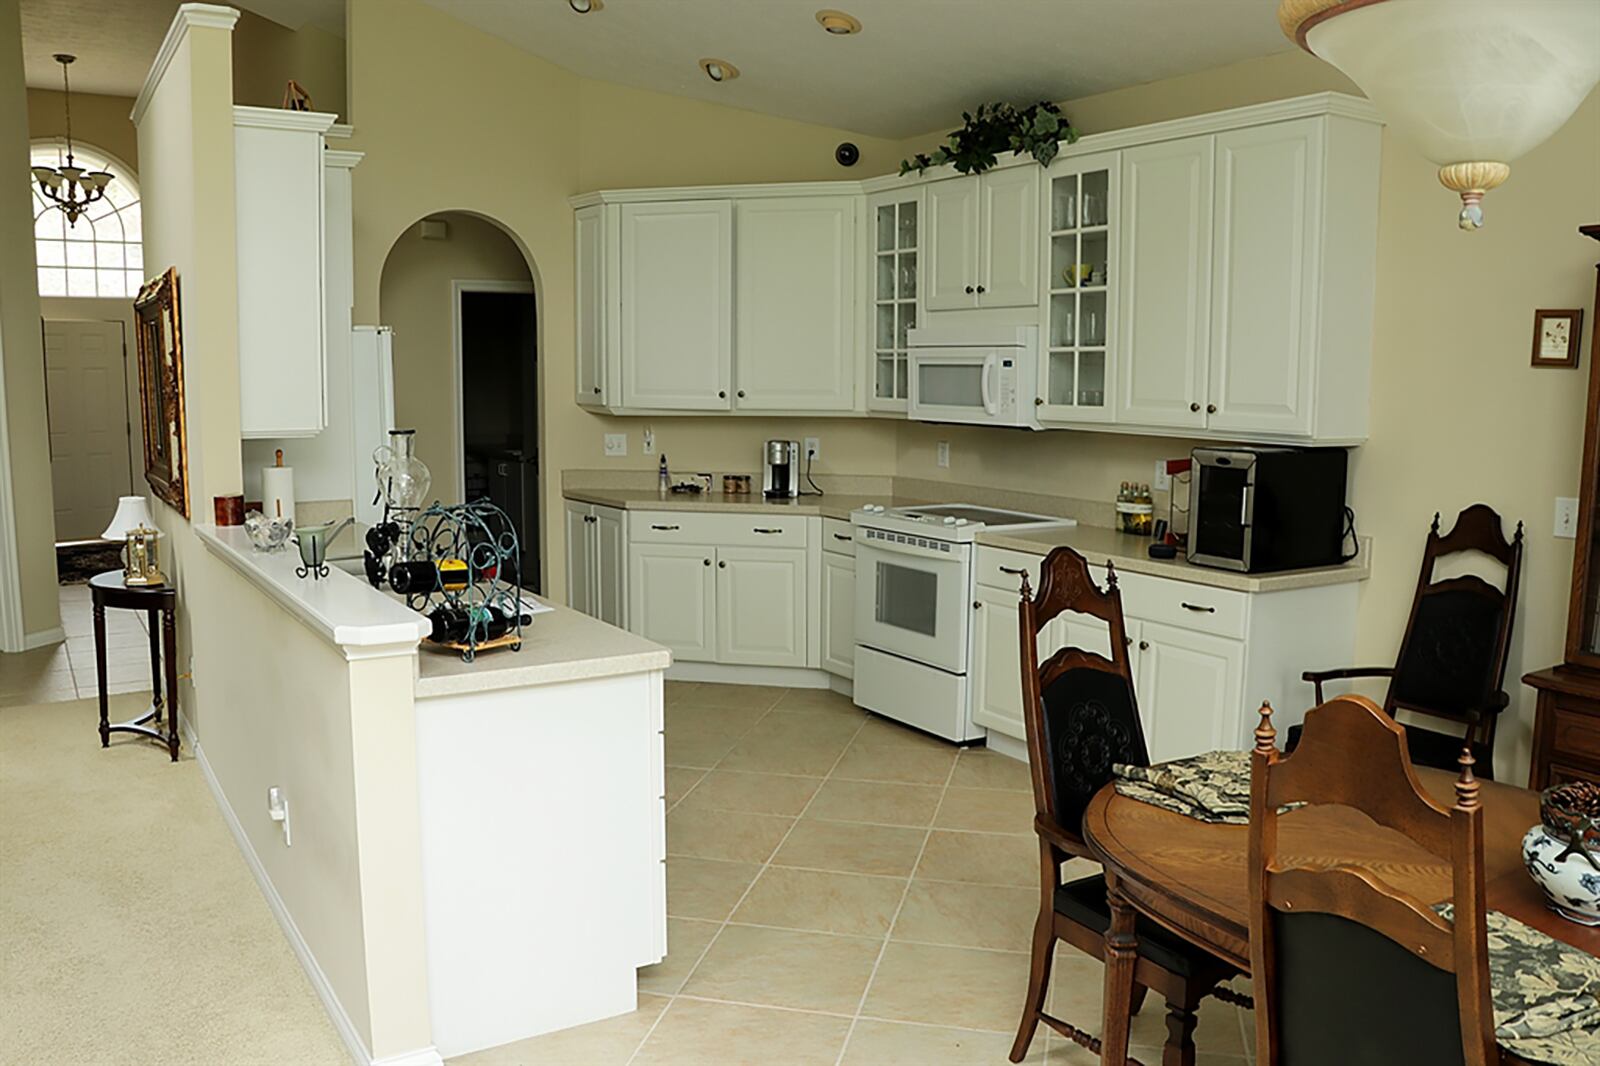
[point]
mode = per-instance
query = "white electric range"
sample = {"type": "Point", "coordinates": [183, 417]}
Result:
{"type": "Point", "coordinates": [914, 590]}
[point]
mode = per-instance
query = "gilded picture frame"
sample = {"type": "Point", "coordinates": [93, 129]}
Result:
{"type": "Point", "coordinates": [159, 318]}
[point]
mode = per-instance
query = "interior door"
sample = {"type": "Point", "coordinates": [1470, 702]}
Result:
{"type": "Point", "coordinates": [838, 614]}
{"type": "Point", "coordinates": [1189, 687]}
{"type": "Point", "coordinates": [86, 393]}
{"type": "Point", "coordinates": [1268, 222]}
{"type": "Point", "coordinates": [671, 598]}
{"type": "Point", "coordinates": [761, 606]}
{"type": "Point", "coordinates": [794, 300]}
{"type": "Point", "coordinates": [580, 558]}
{"type": "Point", "coordinates": [610, 566]}
{"type": "Point", "coordinates": [951, 229]}
{"type": "Point", "coordinates": [677, 305]}
{"type": "Point", "coordinates": [1164, 291]}
{"type": "Point", "coordinates": [1008, 228]}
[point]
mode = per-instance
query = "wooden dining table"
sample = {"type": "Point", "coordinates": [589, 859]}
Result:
{"type": "Point", "coordinates": [1190, 876]}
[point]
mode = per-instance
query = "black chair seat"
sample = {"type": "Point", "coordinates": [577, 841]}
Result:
{"type": "Point", "coordinates": [1084, 901]}
{"type": "Point", "coordinates": [1429, 747]}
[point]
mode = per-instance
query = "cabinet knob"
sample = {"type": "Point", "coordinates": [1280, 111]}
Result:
{"type": "Point", "coordinates": [1144, 645]}
{"type": "Point", "coordinates": [1127, 642]}
{"type": "Point", "coordinates": [722, 394]}
{"type": "Point", "coordinates": [977, 605]}
{"type": "Point", "coordinates": [1194, 407]}
{"type": "Point", "coordinates": [741, 394]}
{"type": "Point", "coordinates": [708, 562]}
{"type": "Point", "coordinates": [980, 290]}
{"type": "Point", "coordinates": [722, 564]}
{"type": "Point", "coordinates": [1038, 401]}
{"type": "Point", "coordinates": [1211, 408]}
{"type": "Point", "coordinates": [597, 390]}
{"type": "Point", "coordinates": [970, 290]}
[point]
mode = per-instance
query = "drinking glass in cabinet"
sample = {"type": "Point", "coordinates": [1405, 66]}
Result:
{"type": "Point", "coordinates": [886, 325]}
{"type": "Point", "coordinates": [1095, 198]}
{"type": "Point", "coordinates": [908, 276]}
{"type": "Point", "coordinates": [1061, 379]}
{"type": "Point", "coordinates": [886, 228]}
{"type": "Point", "coordinates": [1092, 327]}
{"type": "Point", "coordinates": [1091, 379]}
{"type": "Point", "coordinates": [885, 277]}
{"type": "Point", "coordinates": [1064, 203]}
{"type": "Point", "coordinates": [907, 320]}
{"type": "Point", "coordinates": [902, 377]}
{"type": "Point", "coordinates": [908, 226]}
{"type": "Point", "coordinates": [1061, 319]}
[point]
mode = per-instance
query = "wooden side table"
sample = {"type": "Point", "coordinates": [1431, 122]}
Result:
{"type": "Point", "coordinates": [161, 606]}
{"type": "Point", "coordinates": [1566, 733]}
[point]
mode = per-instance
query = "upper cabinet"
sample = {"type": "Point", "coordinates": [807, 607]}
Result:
{"type": "Point", "coordinates": [795, 300]}
{"type": "Point", "coordinates": [1211, 276]}
{"type": "Point", "coordinates": [281, 228]}
{"type": "Point", "coordinates": [676, 292]}
{"type": "Point", "coordinates": [983, 240]}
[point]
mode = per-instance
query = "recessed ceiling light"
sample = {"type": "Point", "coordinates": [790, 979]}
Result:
{"type": "Point", "coordinates": [719, 69]}
{"type": "Point", "coordinates": [584, 7]}
{"type": "Point", "coordinates": [838, 23]}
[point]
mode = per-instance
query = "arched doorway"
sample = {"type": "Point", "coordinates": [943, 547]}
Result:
{"type": "Point", "coordinates": [459, 293]}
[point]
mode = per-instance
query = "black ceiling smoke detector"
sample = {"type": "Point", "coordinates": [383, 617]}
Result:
{"type": "Point", "coordinates": [847, 154]}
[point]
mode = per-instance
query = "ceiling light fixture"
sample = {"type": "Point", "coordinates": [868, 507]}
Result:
{"type": "Point", "coordinates": [584, 7]}
{"type": "Point", "coordinates": [1474, 83]}
{"type": "Point", "coordinates": [719, 69]}
{"type": "Point", "coordinates": [838, 23]}
{"type": "Point", "coordinates": [70, 188]}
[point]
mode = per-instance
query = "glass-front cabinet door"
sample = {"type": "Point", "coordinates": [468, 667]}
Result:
{"type": "Point", "coordinates": [896, 302]}
{"type": "Point", "coordinates": [1081, 268]}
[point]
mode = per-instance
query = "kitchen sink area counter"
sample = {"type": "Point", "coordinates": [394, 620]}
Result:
{"type": "Point", "coordinates": [828, 505]}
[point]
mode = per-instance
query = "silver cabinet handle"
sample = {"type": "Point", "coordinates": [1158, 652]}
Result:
{"type": "Point", "coordinates": [1198, 608]}
{"type": "Point", "coordinates": [842, 536]}
{"type": "Point", "coordinates": [761, 529]}
{"type": "Point", "coordinates": [666, 529]}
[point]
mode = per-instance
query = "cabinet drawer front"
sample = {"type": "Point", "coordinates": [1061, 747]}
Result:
{"type": "Point", "coordinates": [1222, 612]}
{"type": "Point", "coordinates": [991, 560]}
{"type": "Point", "coordinates": [692, 527]}
{"type": "Point", "coordinates": [838, 537]}
{"type": "Point", "coordinates": [1576, 736]}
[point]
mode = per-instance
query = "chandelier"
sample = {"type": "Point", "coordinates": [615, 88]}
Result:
{"type": "Point", "coordinates": [1473, 83]}
{"type": "Point", "coordinates": [71, 188]}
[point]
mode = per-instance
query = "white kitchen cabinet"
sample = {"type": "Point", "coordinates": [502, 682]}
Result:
{"type": "Point", "coordinates": [894, 293]}
{"type": "Point", "coordinates": [594, 327]}
{"type": "Point", "coordinates": [1080, 263]}
{"type": "Point", "coordinates": [676, 292]}
{"type": "Point", "coordinates": [761, 606]}
{"type": "Point", "coordinates": [1164, 282]}
{"type": "Point", "coordinates": [795, 303]}
{"type": "Point", "coordinates": [672, 591]}
{"type": "Point", "coordinates": [838, 605]}
{"type": "Point", "coordinates": [596, 561]}
{"type": "Point", "coordinates": [1189, 688]}
{"type": "Point", "coordinates": [997, 660]}
{"type": "Point", "coordinates": [280, 227]}
{"type": "Point", "coordinates": [983, 240]}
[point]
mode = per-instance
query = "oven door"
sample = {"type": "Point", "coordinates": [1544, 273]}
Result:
{"type": "Point", "coordinates": [911, 597]}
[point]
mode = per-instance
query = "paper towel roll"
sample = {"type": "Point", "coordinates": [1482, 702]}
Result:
{"type": "Point", "coordinates": [277, 491]}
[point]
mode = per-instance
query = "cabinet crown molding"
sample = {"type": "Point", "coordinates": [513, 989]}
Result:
{"type": "Point", "coordinates": [716, 192]}
{"type": "Point", "coordinates": [202, 16]}
{"type": "Point", "coordinates": [274, 118]}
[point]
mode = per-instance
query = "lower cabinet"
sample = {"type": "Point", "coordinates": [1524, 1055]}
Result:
{"type": "Point", "coordinates": [596, 561]}
{"type": "Point", "coordinates": [838, 613]}
{"type": "Point", "coordinates": [672, 598]}
{"type": "Point", "coordinates": [1188, 686]}
{"type": "Point", "coordinates": [761, 606]}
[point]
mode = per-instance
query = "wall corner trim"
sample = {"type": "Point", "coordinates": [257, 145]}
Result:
{"type": "Point", "coordinates": [427, 1056]}
{"type": "Point", "coordinates": [205, 16]}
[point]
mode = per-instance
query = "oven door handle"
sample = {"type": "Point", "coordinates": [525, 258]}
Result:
{"type": "Point", "coordinates": [987, 390]}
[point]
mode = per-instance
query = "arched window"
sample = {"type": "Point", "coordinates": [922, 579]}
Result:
{"type": "Point", "coordinates": [103, 255]}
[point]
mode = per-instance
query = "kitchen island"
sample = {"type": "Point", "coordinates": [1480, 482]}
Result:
{"type": "Point", "coordinates": [464, 855]}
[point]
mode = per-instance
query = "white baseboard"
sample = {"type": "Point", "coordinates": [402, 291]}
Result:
{"type": "Point", "coordinates": [427, 1056]}
{"type": "Point", "coordinates": [1004, 745]}
{"type": "Point", "coordinates": [719, 673]}
{"type": "Point", "coordinates": [43, 637]}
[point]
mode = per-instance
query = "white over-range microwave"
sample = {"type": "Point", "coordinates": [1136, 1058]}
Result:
{"type": "Point", "coordinates": [982, 375]}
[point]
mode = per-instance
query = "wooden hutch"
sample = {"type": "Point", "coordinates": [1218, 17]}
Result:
{"type": "Point", "coordinates": [1566, 733]}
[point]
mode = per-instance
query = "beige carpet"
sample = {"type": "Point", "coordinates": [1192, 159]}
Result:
{"type": "Point", "coordinates": [131, 931]}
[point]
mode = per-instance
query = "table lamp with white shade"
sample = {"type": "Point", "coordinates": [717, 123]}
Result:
{"type": "Point", "coordinates": [133, 526]}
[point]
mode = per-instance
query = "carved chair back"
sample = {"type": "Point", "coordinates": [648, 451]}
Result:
{"type": "Point", "coordinates": [1346, 967]}
{"type": "Point", "coordinates": [1452, 659]}
{"type": "Point", "coordinates": [1078, 706]}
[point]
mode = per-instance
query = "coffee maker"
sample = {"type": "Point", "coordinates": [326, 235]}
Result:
{"type": "Point", "coordinates": [780, 469]}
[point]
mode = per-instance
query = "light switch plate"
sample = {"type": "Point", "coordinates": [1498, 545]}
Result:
{"type": "Point", "coordinates": [616, 444]}
{"type": "Point", "coordinates": [943, 453]}
{"type": "Point", "coordinates": [1566, 516]}
{"type": "Point", "coordinates": [1162, 482]}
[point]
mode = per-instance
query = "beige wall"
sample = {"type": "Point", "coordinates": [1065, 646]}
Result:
{"type": "Point", "coordinates": [266, 55]}
{"type": "Point", "coordinates": [415, 300]}
{"type": "Point", "coordinates": [22, 354]}
{"type": "Point", "coordinates": [98, 120]}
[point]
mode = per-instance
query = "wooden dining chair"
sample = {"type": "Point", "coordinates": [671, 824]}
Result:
{"type": "Point", "coordinates": [1452, 659]}
{"type": "Point", "coordinates": [1348, 970]}
{"type": "Point", "coordinates": [1081, 717]}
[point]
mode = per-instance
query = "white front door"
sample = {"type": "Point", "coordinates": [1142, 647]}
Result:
{"type": "Point", "coordinates": [86, 392]}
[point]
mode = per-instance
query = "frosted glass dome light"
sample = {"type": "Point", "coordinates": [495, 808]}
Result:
{"type": "Point", "coordinates": [1473, 83]}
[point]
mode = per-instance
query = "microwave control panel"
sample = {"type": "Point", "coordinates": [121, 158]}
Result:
{"type": "Point", "coordinates": [1006, 389]}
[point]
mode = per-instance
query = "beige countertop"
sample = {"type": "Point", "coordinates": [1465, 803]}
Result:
{"type": "Point", "coordinates": [1128, 553]}
{"type": "Point", "coordinates": [561, 645]}
{"type": "Point", "coordinates": [831, 505]}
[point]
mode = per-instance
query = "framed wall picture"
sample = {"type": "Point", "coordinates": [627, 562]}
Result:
{"type": "Point", "coordinates": [1557, 336]}
{"type": "Point", "coordinates": [160, 349]}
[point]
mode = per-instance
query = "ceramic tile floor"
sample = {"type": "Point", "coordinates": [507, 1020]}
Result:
{"type": "Point", "coordinates": [842, 890]}
{"type": "Point", "coordinates": [66, 671]}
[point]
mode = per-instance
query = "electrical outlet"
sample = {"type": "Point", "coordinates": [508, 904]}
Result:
{"type": "Point", "coordinates": [649, 441]}
{"type": "Point", "coordinates": [1566, 516]}
{"type": "Point", "coordinates": [813, 448]}
{"type": "Point", "coordinates": [1162, 482]}
{"type": "Point", "coordinates": [616, 444]}
{"type": "Point", "coordinates": [943, 453]}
